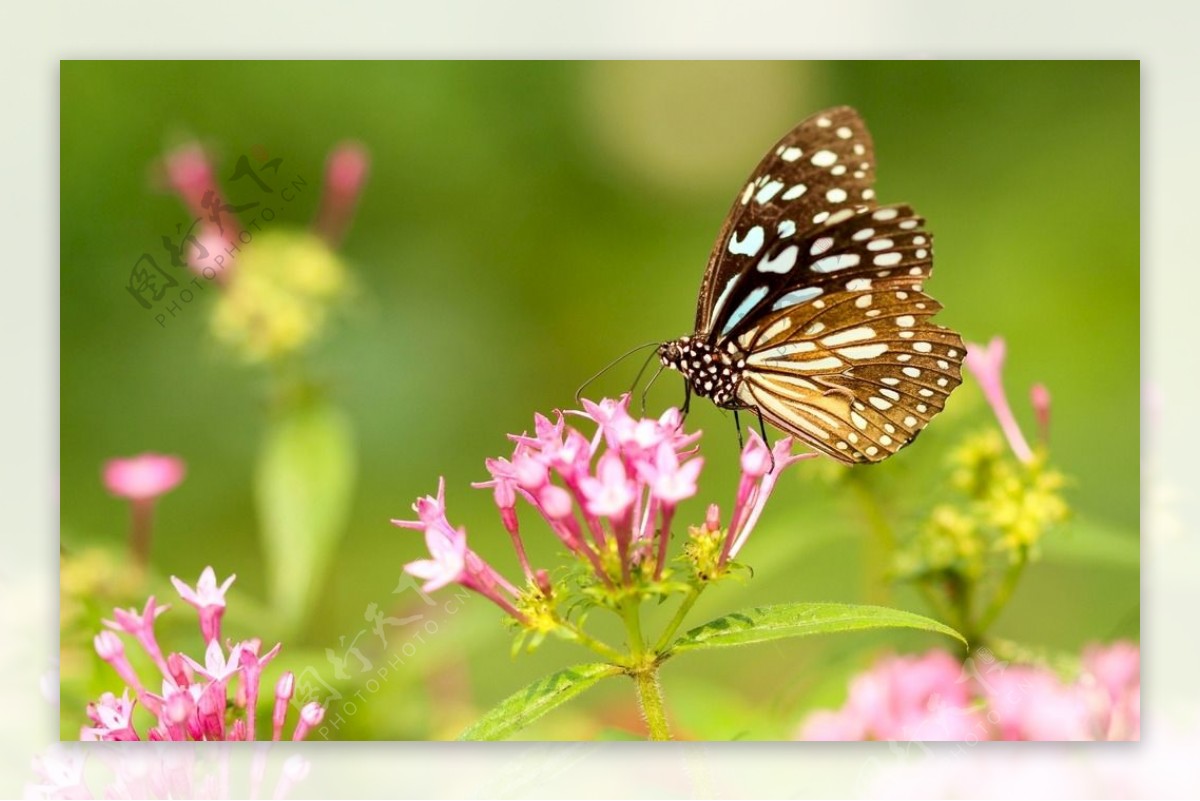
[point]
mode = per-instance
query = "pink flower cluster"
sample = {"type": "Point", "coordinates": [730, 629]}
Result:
{"type": "Point", "coordinates": [934, 697]}
{"type": "Point", "coordinates": [612, 492]}
{"type": "Point", "coordinates": [194, 702]}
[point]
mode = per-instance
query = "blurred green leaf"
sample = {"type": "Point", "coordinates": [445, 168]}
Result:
{"type": "Point", "coordinates": [525, 706]}
{"type": "Point", "coordinates": [304, 484]}
{"type": "Point", "coordinates": [765, 623]}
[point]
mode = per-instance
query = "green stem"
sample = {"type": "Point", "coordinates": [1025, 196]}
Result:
{"type": "Point", "coordinates": [680, 614]}
{"type": "Point", "coordinates": [578, 635]}
{"type": "Point", "coordinates": [1003, 594]}
{"type": "Point", "coordinates": [633, 625]}
{"type": "Point", "coordinates": [651, 701]}
{"type": "Point", "coordinates": [880, 546]}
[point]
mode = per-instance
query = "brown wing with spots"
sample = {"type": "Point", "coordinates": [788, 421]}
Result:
{"type": "Point", "coordinates": [851, 362]}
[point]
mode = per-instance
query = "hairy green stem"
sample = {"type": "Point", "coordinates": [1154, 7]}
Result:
{"type": "Point", "coordinates": [651, 701]}
{"type": "Point", "coordinates": [633, 625]}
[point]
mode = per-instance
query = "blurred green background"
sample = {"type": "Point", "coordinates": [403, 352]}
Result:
{"type": "Point", "coordinates": [523, 224]}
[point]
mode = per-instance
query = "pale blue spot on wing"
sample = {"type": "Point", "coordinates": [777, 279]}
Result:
{"type": "Point", "coordinates": [748, 303]}
{"type": "Point", "coordinates": [716, 312]}
{"type": "Point", "coordinates": [797, 297]}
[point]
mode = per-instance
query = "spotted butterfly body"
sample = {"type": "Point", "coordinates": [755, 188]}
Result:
{"type": "Point", "coordinates": [812, 312]}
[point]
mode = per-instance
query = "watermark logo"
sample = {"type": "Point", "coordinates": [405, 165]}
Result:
{"type": "Point", "coordinates": [211, 242]}
{"type": "Point", "coordinates": [372, 654]}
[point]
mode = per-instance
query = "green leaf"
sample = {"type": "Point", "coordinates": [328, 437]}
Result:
{"type": "Point", "coordinates": [304, 485]}
{"type": "Point", "coordinates": [524, 707]}
{"type": "Point", "coordinates": [765, 623]}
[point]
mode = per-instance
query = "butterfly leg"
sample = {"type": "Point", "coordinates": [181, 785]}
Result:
{"type": "Point", "coordinates": [687, 401]}
{"type": "Point", "coordinates": [738, 424]}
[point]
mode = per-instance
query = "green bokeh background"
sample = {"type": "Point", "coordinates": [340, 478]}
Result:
{"type": "Point", "coordinates": [522, 225]}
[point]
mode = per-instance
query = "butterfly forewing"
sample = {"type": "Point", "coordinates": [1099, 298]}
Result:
{"type": "Point", "coordinates": [823, 165]}
{"type": "Point", "coordinates": [817, 295]}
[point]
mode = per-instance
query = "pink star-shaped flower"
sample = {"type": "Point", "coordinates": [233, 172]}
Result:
{"type": "Point", "coordinates": [216, 666]}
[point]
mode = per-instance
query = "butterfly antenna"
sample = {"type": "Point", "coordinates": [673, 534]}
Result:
{"type": "Point", "coordinates": [611, 365]}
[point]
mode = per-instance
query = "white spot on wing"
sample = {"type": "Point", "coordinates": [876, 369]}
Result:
{"type": "Point", "coordinates": [824, 158]}
{"type": "Point", "coordinates": [778, 328]}
{"type": "Point", "coordinates": [864, 351]}
{"type": "Point", "coordinates": [846, 337]}
{"type": "Point", "coordinates": [791, 154]}
{"type": "Point", "coordinates": [795, 192]}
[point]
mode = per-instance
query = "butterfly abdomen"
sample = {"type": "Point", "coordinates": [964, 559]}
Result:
{"type": "Point", "coordinates": [713, 373]}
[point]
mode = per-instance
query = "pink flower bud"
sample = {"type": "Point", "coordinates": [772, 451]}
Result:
{"type": "Point", "coordinates": [345, 175]}
{"type": "Point", "coordinates": [311, 714]}
{"type": "Point", "coordinates": [108, 646]}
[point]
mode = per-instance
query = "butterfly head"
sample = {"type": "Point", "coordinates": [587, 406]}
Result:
{"type": "Point", "coordinates": [711, 372]}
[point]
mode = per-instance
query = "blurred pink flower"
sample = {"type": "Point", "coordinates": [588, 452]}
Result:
{"type": "Point", "coordinates": [143, 477]}
{"type": "Point", "coordinates": [934, 697]}
{"type": "Point", "coordinates": [194, 702]}
{"type": "Point", "coordinates": [345, 176]}
{"type": "Point", "coordinates": [141, 480]}
{"type": "Point", "coordinates": [903, 698]}
{"type": "Point", "coordinates": [1031, 703]}
{"type": "Point", "coordinates": [1117, 669]}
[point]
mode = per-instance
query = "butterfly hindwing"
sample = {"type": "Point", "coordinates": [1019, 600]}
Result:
{"type": "Point", "coordinates": [844, 355]}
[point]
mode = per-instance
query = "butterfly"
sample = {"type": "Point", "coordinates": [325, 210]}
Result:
{"type": "Point", "coordinates": [812, 312]}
